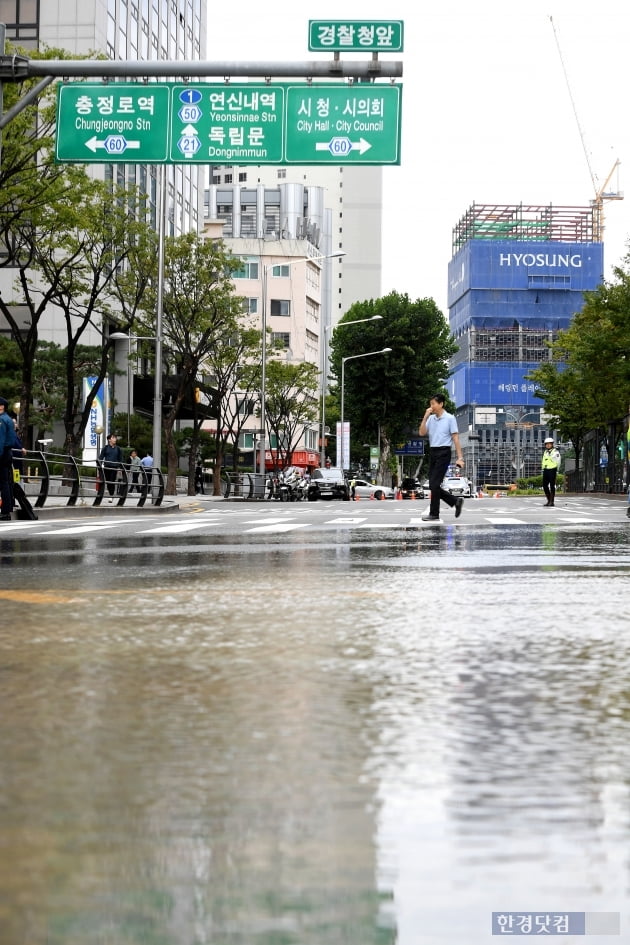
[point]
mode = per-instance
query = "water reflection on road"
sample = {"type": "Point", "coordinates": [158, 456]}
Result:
{"type": "Point", "coordinates": [312, 742]}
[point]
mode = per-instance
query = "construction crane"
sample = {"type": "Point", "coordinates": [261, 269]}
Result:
{"type": "Point", "coordinates": [602, 195]}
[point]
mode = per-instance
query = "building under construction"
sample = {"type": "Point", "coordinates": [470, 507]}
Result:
{"type": "Point", "coordinates": [517, 276]}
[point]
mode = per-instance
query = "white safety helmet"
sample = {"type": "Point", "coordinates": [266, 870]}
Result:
{"type": "Point", "coordinates": [549, 439]}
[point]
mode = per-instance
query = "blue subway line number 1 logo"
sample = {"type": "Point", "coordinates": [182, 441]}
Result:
{"type": "Point", "coordinates": [189, 113]}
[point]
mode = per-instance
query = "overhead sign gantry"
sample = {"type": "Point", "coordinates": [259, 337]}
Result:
{"type": "Point", "coordinates": [205, 123]}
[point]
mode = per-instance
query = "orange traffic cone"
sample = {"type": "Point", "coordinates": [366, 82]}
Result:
{"type": "Point", "coordinates": [372, 496]}
{"type": "Point", "coordinates": [413, 495]}
{"type": "Point", "coordinates": [382, 496]}
{"type": "Point", "coordinates": [399, 494]}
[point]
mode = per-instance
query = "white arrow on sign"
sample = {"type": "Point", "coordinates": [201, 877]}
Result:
{"type": "Point", "coordinates": [361, 146]}
{"type": "Point", "coordinates": [93, 144]}
{"type": "Point", "coordinates": [189, 131]}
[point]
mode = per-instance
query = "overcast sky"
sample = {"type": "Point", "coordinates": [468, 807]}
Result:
{"type": "Point", "coordinates": [486, 116]}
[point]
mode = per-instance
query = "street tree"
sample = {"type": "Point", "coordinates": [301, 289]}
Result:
{"type": "Point", "coordinates": [385, 396]}
{"type": "Point", "coordinates": [75, 261]}
{"type": "Point", "coordinates": [586, 385]}
{"type": "Point", "coordinates": [291, 403]}
{"type": "Point", "coordinates": [199, 307]}
{"type": "Point", "coordinates": [568, 403]}
{"type": "Point", "coordinates": [33, 194]}
{"type": "Point", "coordinates": [234, 369]}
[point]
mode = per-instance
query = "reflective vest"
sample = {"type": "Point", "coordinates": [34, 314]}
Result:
{"type": "Point", "coordinates": [551, 459]}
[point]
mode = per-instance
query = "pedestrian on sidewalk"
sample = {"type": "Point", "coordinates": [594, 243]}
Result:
{"type": "Point", "coordinates": [7, 442]}
{"type": "Point", "coordinates": [112, 458]}
{"type": "Point", "coordinates": [550, 465]}
{"type": "Point", "coordinates": [135, 465]}
{"type": "Point", "coordinates": [199, 478]}
{"type": "Point", "coordinates": [441, 428]}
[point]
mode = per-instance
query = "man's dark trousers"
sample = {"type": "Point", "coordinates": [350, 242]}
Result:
{"type": "Point", "coordinates": [439, 461]}
{"type": "Point", "coordinates": [549, 483]}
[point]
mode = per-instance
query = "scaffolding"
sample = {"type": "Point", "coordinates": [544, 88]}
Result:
{"type": "Point", "coordinates": [525, 222]}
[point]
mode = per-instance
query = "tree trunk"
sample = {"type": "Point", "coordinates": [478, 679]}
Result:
{"type": "Point", "coordinates": [383, 468]}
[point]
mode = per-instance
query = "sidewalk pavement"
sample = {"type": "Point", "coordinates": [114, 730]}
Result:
{"type": "Point", "coordinates": [57, 507]}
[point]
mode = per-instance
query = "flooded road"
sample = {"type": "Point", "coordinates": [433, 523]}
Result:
{"type": "Point", "coordinates": [290, 740]}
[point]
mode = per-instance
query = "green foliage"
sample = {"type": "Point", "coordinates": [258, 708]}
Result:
{"type": "Point", "coordinates": [389, 392]}
{"type": "Point", "coordinates": [51, 382]}
{"type": "Point", "coordinates": [291, 402]}
{"type": "Point", "coordinates": [10, 369]}
{"type": "Point", "coordinates": [200, 307]}
{"type": "Point", "coordinates": [587, 384]}
{"type": "Point", "coordinates": [140, 432]}
{"type": "Point", "coordinates": [535, 482]}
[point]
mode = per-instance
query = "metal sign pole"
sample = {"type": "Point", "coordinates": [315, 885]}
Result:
{"type": "Point", "coordinates": [157, 395]}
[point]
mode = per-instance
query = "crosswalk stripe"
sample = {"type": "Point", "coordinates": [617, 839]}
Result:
{"type": "Point", "coordinates": [278, 527]}
{"type": "Point", "coordinates": [176, 528]}
{"type": "Point", "coordinates": [504, 520]}
{"type": "Point", "coordinates": [344, 521]}
{"type": "Point", "coordinates": [77, 529]}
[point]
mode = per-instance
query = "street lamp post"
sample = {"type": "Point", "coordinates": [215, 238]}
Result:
{"type": "Point", "coordinates": [351, 357]}
{"type": "Point", "coordinates": [123, 336]}
{"type": "Point", "coordinates": [263, 369]}
{"type": "Point", "coordinates": [356, 321]}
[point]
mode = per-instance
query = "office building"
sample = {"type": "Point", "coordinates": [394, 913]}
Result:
{"type": "Point", "coordinates": [516, 278]}
{"type": "Point", "coordinates": [354, 197]}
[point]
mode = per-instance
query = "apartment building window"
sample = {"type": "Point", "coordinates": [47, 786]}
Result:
{"type": "Point", "coordinates": [242, 177]}
{"type": "Point", "coordinates": [251, 306]}
{"type": "Point", "coordinates": [281, 339]}
{"type": "Point", "coordinates": [228, 179]}
{"type": "Point", "coordinates": [281, 271]}
{"type": "Point", "coordinates": [282, 172]}
{"type": "Point", "coordinates": [280, 307]}
{"type": "Point", "coordinates": [248, 270]}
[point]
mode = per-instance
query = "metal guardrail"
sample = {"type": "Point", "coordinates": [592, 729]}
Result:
{"type": "Point", "coordinates": [246, 486]}
{"type": "Point", "coordinates": [58, 475]}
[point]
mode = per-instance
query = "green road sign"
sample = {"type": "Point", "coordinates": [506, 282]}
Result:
{"type": "Point", "coordinates": [355, 35]}
{"type": "Point", "coordinates": [227, 124]}
{"type": "Point", "coordinates": [99, 123]}
{"type": "Point", "coordinates": [174, 123]}
{"type": "Point", "coordinates": [343, 124]}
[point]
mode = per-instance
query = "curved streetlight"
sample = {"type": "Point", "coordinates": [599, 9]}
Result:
{"type": "Point", "coordinates": [263, 378]}
{"type": "Point", "coordinates": [327, 328]}
{"type": "Point", "coordinates": [351, 357]}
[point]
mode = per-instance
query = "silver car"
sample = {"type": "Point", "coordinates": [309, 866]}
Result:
{"type": "Point", "coordinates": [367, 490]}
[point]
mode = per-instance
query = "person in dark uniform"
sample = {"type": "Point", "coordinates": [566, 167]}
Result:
{"type": "Point", "coordinates": [7, 442]}
{"type": "Point", "coordinates": [111, 457]}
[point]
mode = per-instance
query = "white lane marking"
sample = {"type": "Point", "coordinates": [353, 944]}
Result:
{"type": "Point", "coordinates": [176, 528]}
{"type": "Point", "coordinates": [506, 521]}
{"type": "Point", "coordinates": [277, 527]}
{"type": "Point", "coordinates": [579, 521]}
{"type": "Point", "coordinates": [344, 521]}
{"type": "Point", "coordinates": [15, 526]}
{"type": "Point", "coordinates": [387, 525]}
{"type": "Point", "coordinates": [77, 530]}
{"type": "Point", "coordinates": [269, 521]}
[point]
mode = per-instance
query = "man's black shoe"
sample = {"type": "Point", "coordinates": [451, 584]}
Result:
{"type": "Point", "coordinates": [5, 518]}
{"type": "Point", "coordinates": [430, 518]}
{"type": "Point", "coordinates": [459, 505]}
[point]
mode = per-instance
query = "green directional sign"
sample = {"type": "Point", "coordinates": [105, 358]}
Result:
{"type": "Point", "coordinates": [279, 123]}
{"type": "Point", "coordinates": [343, 124]}
{"type": "Point", "coordinates": [227, 124]}
{"type": "Point", "coordinates": [99, 123]}
{"type": "Point", "coordinates": [355, 35]}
